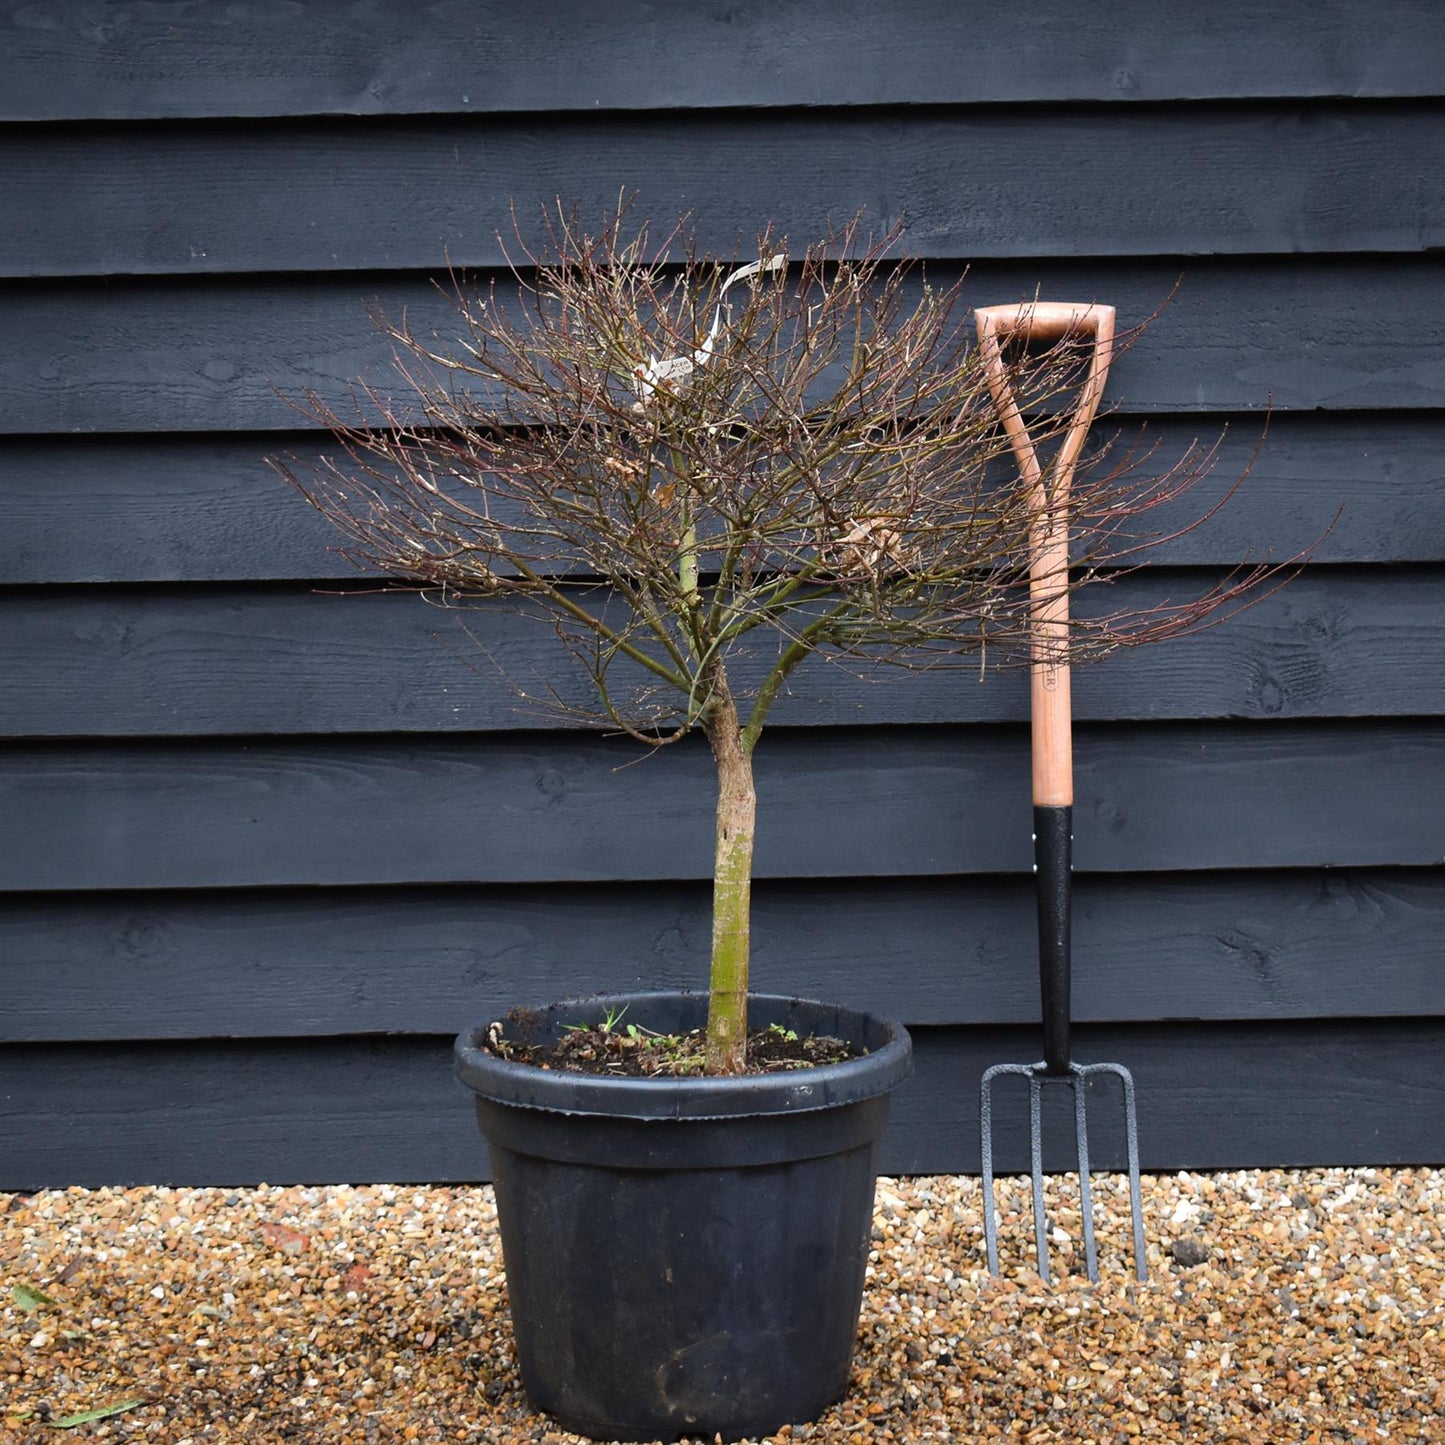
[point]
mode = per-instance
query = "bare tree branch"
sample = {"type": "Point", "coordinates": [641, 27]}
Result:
{"type": "Point", "coordinates": [805, 448]}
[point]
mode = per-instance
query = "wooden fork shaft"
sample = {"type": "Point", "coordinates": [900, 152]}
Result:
{"type": "Point", "coordinates": [1044, 321]}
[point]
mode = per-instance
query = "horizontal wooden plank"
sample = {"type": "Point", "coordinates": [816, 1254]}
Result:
{"type": "Point", "coordinates": [179, 508]}
{"type": "Point", "coordinates": [259, 963]}
{"type": "Point", "coordinates": [1209, 1097]}
{"type": "Point", "coordinates": [89, 662]}
{"type": "Point", "coordinates": [833, 803]}
{"type": "Point", "coordinates": [202, 354]}
{"type": "Point", "coordinates": [314, 196]}
{"type": "Point", "coordinates": [74, 59]}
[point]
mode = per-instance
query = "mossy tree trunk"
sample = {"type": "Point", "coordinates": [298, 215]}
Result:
{"type": "Point", "coordinates": [727, 1018]}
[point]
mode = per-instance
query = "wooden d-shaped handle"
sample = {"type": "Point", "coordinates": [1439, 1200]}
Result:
{"type": "Point", "coordinates": [1048, 321]}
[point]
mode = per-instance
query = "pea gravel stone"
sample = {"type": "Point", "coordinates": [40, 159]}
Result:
{"type": "Point", "coordinates": [1315, 1313]}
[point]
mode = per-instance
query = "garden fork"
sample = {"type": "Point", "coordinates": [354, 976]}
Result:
{"type": "Point", "coordinates": [1053, 779]}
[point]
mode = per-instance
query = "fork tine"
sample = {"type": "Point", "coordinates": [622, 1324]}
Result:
{"type": "Point", "coordinates": [1036, 1165]}
{"type": "Point", "coordinates": [1079, 1083]}
{"type": "Point", "coordinates": [1131, 1140]}
{"type": "Point", "coordinates": [1136, 1203]}
{"type": "Point", "coordinates": [990, 1219]}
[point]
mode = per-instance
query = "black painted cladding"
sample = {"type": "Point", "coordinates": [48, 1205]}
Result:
{"type": "Point", "coordinates": [835, 803]}
{"type": "Point", "coordinates": [1346, 642]}
{"type": "Point", "coordinates": [1268, 944]}
{"type": "Point", "coordinates": [200, 508]}
{"type": "Point", "coordinates": [269, 846]}
{"type": "Point", "coordinates": [209, 354]}
{"type": "Point", "coordinates": [1365, 1092]}
{"type": "Point", "coordinates": [239, 197]}
{"type": "Point", "coordinates": [62, 61]}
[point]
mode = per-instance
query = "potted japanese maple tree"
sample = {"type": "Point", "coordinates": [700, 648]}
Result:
{"type": "Point", "coordinates": [706, 475]}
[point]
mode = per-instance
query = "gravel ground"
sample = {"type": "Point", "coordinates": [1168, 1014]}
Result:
{"type": "Point", "coordinates": [1301, 1305]}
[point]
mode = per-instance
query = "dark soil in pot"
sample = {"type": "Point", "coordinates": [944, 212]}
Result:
{"type": "Point", "coordinates": [685, 1256]}
{"type": "Point", "coordinates": [620, 1047]}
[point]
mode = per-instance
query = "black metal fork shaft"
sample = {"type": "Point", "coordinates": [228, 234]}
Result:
{"type": "Point", "coordinates": [1053, 850]}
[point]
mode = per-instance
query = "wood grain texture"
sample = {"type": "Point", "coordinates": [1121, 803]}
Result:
{"type": "Point", "coordinates": [323, 196]}
{"type": "Point", "coordinates": [266, 963]}
{"type": "Point", "coordinates": [111, 662]}
{"type": "Point", "coordinates": [179, 508]}
{"type": "Point", "coordinates": [1210, 1097]}
{"type": "Point", "coordinates": [77, 59]}
{"type": "Point", "coordinates": [267, 849]}
{"type": "Point", "coordinates": [1308, 333]}
{"type": "Point", "coordinates": [874, 802]}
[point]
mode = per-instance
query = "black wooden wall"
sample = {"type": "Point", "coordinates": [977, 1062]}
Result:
{"type": "Point", "coordinates": [265, 848]}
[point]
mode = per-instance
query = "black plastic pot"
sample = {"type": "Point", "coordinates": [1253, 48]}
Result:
{"type": "Point", "coordinates": [686, 1256]}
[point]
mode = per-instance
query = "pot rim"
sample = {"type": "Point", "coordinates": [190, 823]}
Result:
{"type": "Point", "coordinates": [887, 1063]}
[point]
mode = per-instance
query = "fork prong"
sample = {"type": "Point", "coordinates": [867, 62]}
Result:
{"type": "Point", "coordinates": [1136, 1202]}
{"type": "Point", "coordinates": [990, 1218]}
{"type": "Point", "coordinates": [1080, 1084]}
{"type": "Point", "coordinates": [1036, 1170]}
{"type": "Point", "coordinates": [1131, 1140]}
